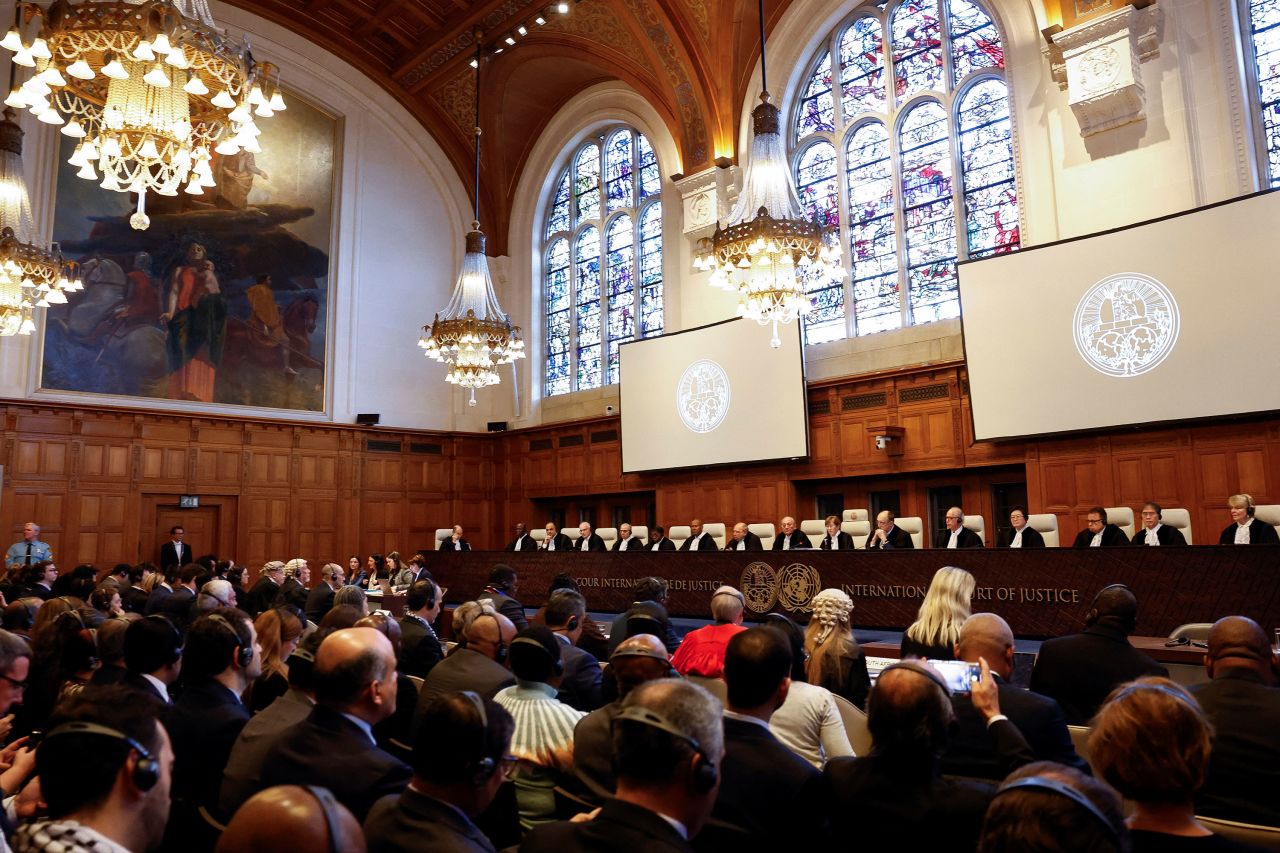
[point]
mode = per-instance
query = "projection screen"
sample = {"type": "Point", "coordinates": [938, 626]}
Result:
{"type": "Point", "coordinates": [1161, 321]}
{"type": "Point", "coordinates": [714, 395]}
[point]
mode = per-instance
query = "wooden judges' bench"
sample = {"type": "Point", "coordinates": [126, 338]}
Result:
{"type": "Point", "coordinates": [1042, 593]}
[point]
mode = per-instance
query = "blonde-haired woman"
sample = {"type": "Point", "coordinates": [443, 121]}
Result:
{"type": "Point", "coordinates": [1244, 529]}
{"type": "Point", "coordinates": [835, 661]}
{"type": "Point", "coordinates": [937, 627]}
{"type": "Point", "coordinates": [279, 632]}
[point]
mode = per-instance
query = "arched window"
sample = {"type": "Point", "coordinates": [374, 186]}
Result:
{"type": "Point", "coordinates": [602, 259]}
{"type": "Point", "coordinates": [916, 142]}
{"type": "Point", "coordinates": [1264, 32]}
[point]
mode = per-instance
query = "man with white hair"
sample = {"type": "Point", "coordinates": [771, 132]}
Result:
{"type": "Point", "coordinates": [214, 594]}
{"type": "Point", "coordinates": [702, 652]}
{"type": "Point", "coordinates": [293, 592]}
{"type": "Point", "coordinates": [744, 539]}
{"type": "Point", "coordinates": [955, 534]}
{"type": "Point", "coordinates": [264, 592]}
{"type": "Point", "coordinates": [790, 537]}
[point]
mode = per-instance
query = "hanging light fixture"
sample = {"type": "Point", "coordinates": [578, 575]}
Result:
{"type": "Point", "coordinates": [473, 335]}
{"type": "Point", "coordinates": [769, 248]}
{"type": "Point", "coordinates": [148, 89]}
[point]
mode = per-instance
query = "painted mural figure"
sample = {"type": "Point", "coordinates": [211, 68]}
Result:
{"type": "Point", "coordinates": [235, 179]}
{"type": "Point", "coordinates": [266, 325]}
{"type": "Point", "coordinates": [197, 319]}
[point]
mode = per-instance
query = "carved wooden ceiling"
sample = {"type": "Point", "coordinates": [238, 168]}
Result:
{"type": "Point", "coordinates": [691, 59]}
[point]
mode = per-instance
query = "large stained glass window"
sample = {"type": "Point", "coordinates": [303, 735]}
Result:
{"type": "Point", "coordinates": [916, 167]}
{"type": "Point", "coordinates": [1264, 32]}
{"type": "Point", "coordinates": [602, 259]}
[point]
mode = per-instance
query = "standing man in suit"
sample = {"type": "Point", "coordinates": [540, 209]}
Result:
{"type": "Point", "coordinates": [790, 537]}
{"type": "Point", "coordinates": [658, 540]}
{"type": "Point", "coordinates": [698, 541]}
{"type": "Point", "coordinates": [627, 541]}
{"type": "Point", "coordinates": [293, 592]}
{"type": "Point", "coordinates": [320, 599]}
{"type": "Point", "coordinates": [455, 542]}
{"type": "Point", "coordinates": [523, 541]}
{"type": "Point", "coordinates": [555, 540]}
{"type": "Point", "coordinates": [1021, 534]}
{"type": "Point", "coordinates": [580, 683]}
{"type": "Point", "coordinates": [836, 539]}
{"type": "Point", "coordinates": [420, 648]}
{"type": "Point", "coordinates": [888, 535]}
{"type": "Point", "coordinates": [152, 656]}
{"type": "Point", "coordinates": [30, 550]}
{"type": "Point", "coordinates": [588, 540]}
{"type": "Point", "coordinates": [175, 552]}
{"type": "Point", "coordinates": [1152, 532]}
{"type": "Point", "coordinates": [500, 593]}
{"type": "Point", "coordinates": [1244, 529]}
{"type": "Point", "coordinates": [955, 534]}
{"type": "Point", "coordinates": [1098, 533]}
{"type": "Point", "coordinates": [744, 539]}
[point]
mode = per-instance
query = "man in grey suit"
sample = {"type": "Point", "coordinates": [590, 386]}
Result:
{"type": "Point", "coordinates": [478, 663]}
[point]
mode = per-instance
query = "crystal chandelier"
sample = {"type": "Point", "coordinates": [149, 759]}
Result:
{"type": "Point", "coordinates": [769, 249]}
{"type": "Point", "coordinates": [149, 89]}
{"type": "Point", "coordinates": [473, 335]}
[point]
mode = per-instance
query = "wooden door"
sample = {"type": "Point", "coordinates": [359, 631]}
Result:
{"type": "Point", "coordinates": [201, 526]}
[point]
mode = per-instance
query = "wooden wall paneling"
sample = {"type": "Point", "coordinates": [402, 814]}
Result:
{"type": "Point", "coordinates": [315, 529]}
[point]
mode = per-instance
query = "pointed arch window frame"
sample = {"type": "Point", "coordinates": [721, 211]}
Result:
{"type": "Point", "coordinates": [1266, 144]}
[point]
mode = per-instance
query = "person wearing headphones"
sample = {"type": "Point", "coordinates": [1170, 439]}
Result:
{"type": "Point", "coordinates": [580, 686]}
{"type": "Point", "coordinates": [297, 818]}
{"type": "Point", "coordinates": [1081, 669]}
{"type": "Point", "coordinates": [1244, 528]}
{"type": "Point", "coordinates": [500, 593]}
{"type": "Point", "coordinates": [152, 656]}
{"type": "Point", "coordinates": [1053, 808]}
{"type": "Point", "coordinates": [1153, 532]}
{"type": "Point", "coordinates": [460, 760]}
{"type": "Point", "coordinates": [479, 662]}
{"type": "Point", "coordinates": [668, 743]}
{"type": "Point", "coordinates": [104, 774]}
{"type": "Point", "coordinates": [702, 651]}
{"type": "Point", "coordinates": [420, 648]}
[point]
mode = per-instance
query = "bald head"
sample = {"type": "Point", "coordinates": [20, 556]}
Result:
{"type": "Point", "coordinates": [355, 673]}
{"type": "Point", "coordinates": [908, 713]}
{"type": "Point", "coordinates": [290, 817]}
{"type": "Point", "coordinates": [1237, 642]}
{"type": "Point", "coordinates": [988, 636]}
{"type": "Point", "coordinates": [639, 659]}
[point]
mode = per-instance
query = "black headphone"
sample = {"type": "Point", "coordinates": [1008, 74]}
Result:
{"type": "Point", "coordinates": [500, 652]}
{"type": "Point", "coordinates": [329, 807]}
{"type": "Point", "coordinates": [705, 773]}
{"type": "Point", "coordinates": [146, 772]}
{"type": "Point", "coordinates": [175, 651]}
{"type": "Point", "coordinates": [480, 770]}
{"type": "Point", "coordinates": [557, 665]}
{"type": "Point", "coordinates": [1053, 786]}
{"type": "Point", "coordinates": [1091, 615]}
{"type": "Point", "coordinates": [572, 624]}
{"type": "Point", "coordinates": [244, 652]}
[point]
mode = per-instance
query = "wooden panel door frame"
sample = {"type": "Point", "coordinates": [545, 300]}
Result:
{"type": "Point", "coordinates": [227, 522]}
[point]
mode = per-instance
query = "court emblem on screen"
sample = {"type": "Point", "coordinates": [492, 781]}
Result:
{"type": "Point", "coordinates": [759, 586]}
{"type": "Point", "coordinates": [1126, 324]}
{"type": "Point", "coordinates": [797, 585]}
{"type": "Point", "coordinates": [702, 396]}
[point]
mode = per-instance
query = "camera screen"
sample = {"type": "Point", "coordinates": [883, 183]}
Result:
{"type": "Point", "coordinates": [958, 674]}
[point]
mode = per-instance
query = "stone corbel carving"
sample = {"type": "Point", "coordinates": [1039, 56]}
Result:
{"type": "Point", "coordinates": [707, 199]}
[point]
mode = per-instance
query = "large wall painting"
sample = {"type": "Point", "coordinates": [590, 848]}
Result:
{"type": "Point", "coordinates": [224, 299]}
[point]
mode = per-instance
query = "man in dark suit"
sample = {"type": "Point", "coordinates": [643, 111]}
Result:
{"type": "Point", "coordinates": [649, 598]}
{"type": "Point", "coordinates": [627, 541]}
{"type": "Point", "coordinates": [888, 535]}
{"type": "Point", "coordinates": [1020, 534]}
{"type": "Point", "coordinates": [790, 537]}
{"type": "Point", "coordinates": [698, 541]}
{"type": "Point", "coordinates": [580, 683]}
{"type": "Point", "coordinates": [658, 540]}
{"type": "Point", "coordinates": [263, 593]}
{"type": "Point", "coordinates": [766, 790]}
{"type": "Point", "coordinates": [175, 552]}
{"type": "Point", "coordinates": [420, 648]}
{"type": "Point", "coordinates": [743, 539]}
{"type": "Point", "coordinates": [836, 539]}
{"type": "Point", "coordinates": [668, 744]}
{"type": "Point", "coordinates": [459, 762]}
{"type": "Point", "coordinates": [588, 540]}
{"type": "Point", "coordinates": [971, 751]}
{"type": "Point", "coordinates": [293, 592]}
{"type": "Point", "coordinates": [320, 599]}
{"type": "Point", "coordinates": [152, 656]}
{"type": "Point", "coordinates": [555, 540]}
{"type": "Point", "coordinates": [479, 661]}
{"type": "Point", "coordinates": [1081, 670]}
{"type": "Point", "coordinates": [455, 542]}
{"type": "Point", "coordinates": [523, 541]}
{"type": "Point", "coordinates": [355, 685]}
{"type": "Point", "coordinates": [955, 534]}
{"type": "Point", "coordinates": [500, 592]}
{"type": "Point", "coordinates": [1153, 532]}
{"type": "Point", "coordinates": [1098, 533]}
{"type": "Point", "coordinates": [160, 591]}
{"type": "Point", "coordinates": [1243, 704]}
{"type": "Point", "coordinates": [178, 606]}
{"type": "Point", "coordinates": [134, 598]}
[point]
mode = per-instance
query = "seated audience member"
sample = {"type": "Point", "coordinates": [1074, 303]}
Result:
{"type": "Point", "coordinates": [1079, 671]}
{"type": "Point", "coordinates": [1243, 705]}
{"type": "Point", "coordinates": [1151, 742]}
{"type": "Point", "coordinates": [478, 663]}
{"type": "Point", "coordinates": [279, 632]}
{"type": "Point", "coordinates": [220, 658]}
{"type": "Point", "coordinates": [698, 540]}
{"type": "Point", "coordinates": [835, 661]}
{"type": "Point", "coordinates": [293, 592]}
{"type": "Point", "coordinates": [581, 677]}
{"type": "Point", "coordinates": [1153, 532]}
{"type": "Point", "coordinates": [500, 592]}
{"type": "Point", "coordinates": [649, 596]}
{"type": "Point", "coordinates": [1052, 808]}
{"type": "Point", "coordinates": [105, 600]}
{"type": "Point", "coordinates": [702, 652]}
{"type": "Point", "coordinates": [668, 744]}
{"type": "Point", "coordinates": [896, 798]}
{"type": "Point", "coordinates": [888, 535]}
{"type": "Point", "coordinates": [214, 594]}
{"type": "Point", "coordinates": [64, 656]}
{"type": "Point", "coordinates": [111, 653]}
{"type": "Point", "coordinates": [1020, 533]}
{"type": "Point", "coordinates": [340, 617]}
{"type": "Point", "coordinates": [420, 648]}
{"type": "Point", "coordinates": [1244, 529]}
{"type": "Point", "coordinates": [789, 537]}
{"type": "Point", "coordinates": [744, 539]}
{"type": "Point", "coordinates": [555, 540]}
{"type": "Point", "coordinates": [320, 598]}
{"type": "Point", "coordinates": [398, 573]}
{"type": "Point", "coordinates": [152, 656]}
{"type": "Point", "coordinates": [636, 660]}
{"type": "Point", "coordinates": [397, 728]}
{"type": "Point", "coordinates": [592, 640]}
{"type": "Point", "coordinates": [20, 617]}
{"type": "Point", "coordinates": [264, 592]}
{"type": "Point", "coordinates": [970, 752]}
{"type": "Point", "coordinates": [808, 723]}
{"type": "Point", "coordinates": [588, 540]}
{"type": "Point", "coordinates": [15, 669]}
{"type": "Point", "coordinates": [243, 772]}
{"type": "Point", "coordinates": [836, 539]}
{"type": "Point", "coordinates": [235, 576]}
{"type": "Point", "coordinates": [355, 689]}
{"type": "Point", "coordinates": [955, 534]}
{"type": "Point", "coordinates": [104, 771]}
{"type": "Point", "coordinates": [523, 541]}
{"type": "Point", "coordinates": [455, 542]}
{"type": "Point", "coordinates": [766, 790]}
{"type": "Point", "coordinates": [177, 606]}
{"type": "Point", "coordinates": [297, 818]}
{"type": "Point", "coordinates": [460, 760]}
{"type": "Point", "coordinates": [1098, 533]}
{"type": "Point", "coordinates": [160, 589]}
{"type": "Point", "coordinates": [942, 613]}
{"type": "Point", "coordinates": [133, 598]}
{"type": "Point", "coordinates": [627, 541]}
{"type": "Point", "coordinates": [543, 739]}
{"type": "Point", "coordinates": [352, 596]}
{"type": "Point", "coordinates": [38, 578]}
{"type": "Point", "coordinates": [658, 540]}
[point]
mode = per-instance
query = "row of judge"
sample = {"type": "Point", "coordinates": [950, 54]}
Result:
{"type": "Point", "coordinates": [699, 540]}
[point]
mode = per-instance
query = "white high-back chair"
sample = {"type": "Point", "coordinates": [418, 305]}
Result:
{"type": "Point", "coordinates": [1178, 519]}
{"type": "Point", "coordinates": [1046, 524]}
{"type": "Point", "coordinates": [766, 531]}
{"type": "Point", "coordinates": [442, 533]}
{"type": "Point", "coordinates": [978, 525]}
{"type": "Point", "coordinates": [856, 515]}
{"type": "Point", "coordinates": [679, 533]}
{"type": "Point", "coordinates": [716, 529]}
{"type": "Point", "coordinates": [538, 535]}
{"type": "Point", "coordinates": [814, 528]}
{"type": "Point", "coordinates": [859, 530]}
{"type": "Point", "coordinates": [1122, 517]}
{"type": "Point", "coordinates": [609, 535]}
{"type": "Point", "coordinates": [914, 525]}
{"type": "Point", "coordinates": [642, 531]}
{"type": "Point", "coordinates": [571, 532]}
{"type": "Point", "coordinates": [1268, 513]}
